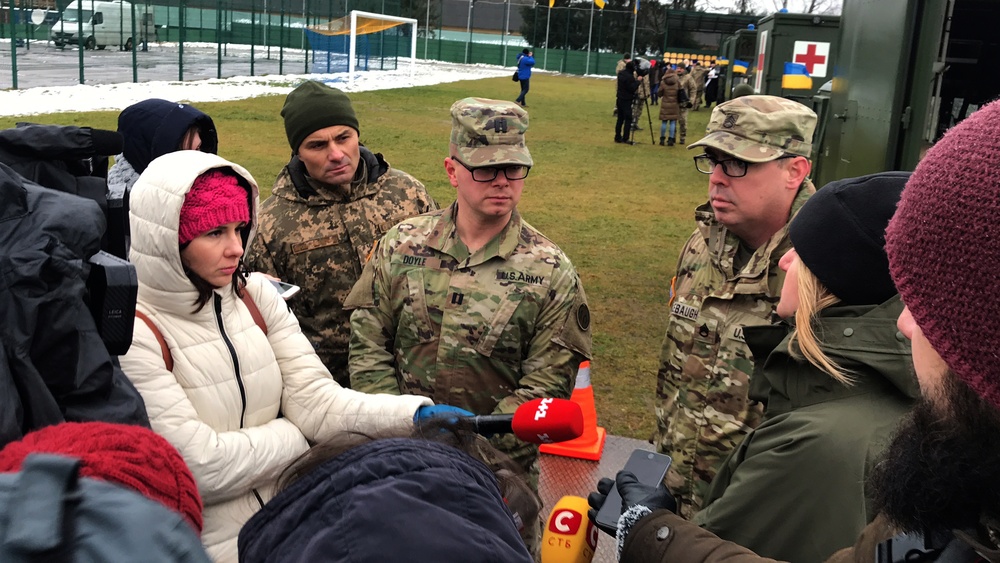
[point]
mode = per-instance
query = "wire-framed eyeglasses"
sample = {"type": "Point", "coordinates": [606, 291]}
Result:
{"type": "Point", "coordinates": [732, 167]}
{"type": "Point", "coordinates": [489, 173]}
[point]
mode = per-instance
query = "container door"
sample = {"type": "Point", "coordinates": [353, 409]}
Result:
{"type": "Point", "coordinates": [869, 87]}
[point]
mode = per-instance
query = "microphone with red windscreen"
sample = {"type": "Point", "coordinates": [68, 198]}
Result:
{"type": "Point", "coordinates": [539, 421]}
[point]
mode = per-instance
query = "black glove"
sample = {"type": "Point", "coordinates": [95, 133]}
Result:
{"type": "Point", "coordinates": [597, 499]}
{"type": "Point", "coordinates": [633, 492]}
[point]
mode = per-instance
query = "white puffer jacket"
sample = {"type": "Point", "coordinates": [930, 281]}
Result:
{"type": "Point", "coordinates": [239, 405]}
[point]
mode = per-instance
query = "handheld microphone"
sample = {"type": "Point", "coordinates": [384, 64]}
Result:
{"type": "Point", "coordinates": [569, 536]}
{"type": "Point", "coordinates": [539, 421]}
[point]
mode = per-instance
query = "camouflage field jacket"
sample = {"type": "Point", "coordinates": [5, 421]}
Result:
{"type": "Point", "coordinates": [485, 332]}
{"type": "Point", "coordinates": [702, 408]}
{"type": "Point", "coordinates": [318, 237]}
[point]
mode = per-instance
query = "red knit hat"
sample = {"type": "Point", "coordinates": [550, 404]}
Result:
{"type": "Point", "coordinates": [944, 245]}
{"type": "Point", "coordinates": [133, 456]}
{"type": "Point", "coordinates": [216, 198]}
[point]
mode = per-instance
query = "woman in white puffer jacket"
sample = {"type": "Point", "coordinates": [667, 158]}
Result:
{"type": "Point", "coordinates": [238, 404]}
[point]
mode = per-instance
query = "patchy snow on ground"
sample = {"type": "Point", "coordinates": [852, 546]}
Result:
{"type": "Point", "coordinates": [116, 97]}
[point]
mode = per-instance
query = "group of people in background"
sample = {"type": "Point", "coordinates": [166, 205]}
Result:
{"type": "Point", "coordinates": [678, 88]}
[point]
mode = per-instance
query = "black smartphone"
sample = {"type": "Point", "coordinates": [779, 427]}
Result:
{"type": "Point", "coordinates": [286, 290]}
{"type": "Point", "coordinates": [650, 468]}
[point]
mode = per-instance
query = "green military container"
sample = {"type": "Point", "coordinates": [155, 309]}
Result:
{"type": "Point", "coordinates": [907, 71]}
{"type": "Point", "coordinates": [806, 39]}
{"type": "Point", "coordinates": [740, 46]}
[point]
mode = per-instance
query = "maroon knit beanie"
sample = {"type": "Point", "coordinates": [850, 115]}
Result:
{"type": "Point", "coordinates": [133, 456]}
{"type": "Point", "coordinates": [944, 246]}
{"type": "Point", "coordinates": [216, 198]}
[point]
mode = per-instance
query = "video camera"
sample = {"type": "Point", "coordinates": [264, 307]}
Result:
{"type": "Point", "coordinates": [75, 160]}
{"type": "Point", "coordinates": [642, 67]}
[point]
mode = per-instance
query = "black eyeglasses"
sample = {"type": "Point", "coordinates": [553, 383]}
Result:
{"type": "Point", "coordinates": [489, 173]}
{"type": "Point", "coordinates": [732, 167]}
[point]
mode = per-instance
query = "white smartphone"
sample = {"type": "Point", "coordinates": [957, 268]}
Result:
{"type": "Point", "coordinates": [649, 468]}
{"type": "Point", "coordinates": [286, 290]}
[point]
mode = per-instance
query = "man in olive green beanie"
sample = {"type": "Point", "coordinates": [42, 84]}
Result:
{"type": "Point", "coordinates": [328, 206]}
{"type": "Point", "coordinates": [313, 106]}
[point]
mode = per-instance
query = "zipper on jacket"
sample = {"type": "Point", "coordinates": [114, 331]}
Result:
{"type": "Point", "coordinates": [232, 352]}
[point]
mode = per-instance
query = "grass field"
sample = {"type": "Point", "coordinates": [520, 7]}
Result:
{"type": "Point", "coordinates": [620, 212]}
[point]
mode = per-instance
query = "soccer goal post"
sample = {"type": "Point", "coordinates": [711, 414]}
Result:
{"type": "Point", "coordinates": [374, 31]}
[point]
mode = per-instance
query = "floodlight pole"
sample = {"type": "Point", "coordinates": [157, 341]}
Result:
{"type": "Point", "coordinates": [635, 22]}
{"type": "Point", "coordinates": [468, 29]}
{"type": "Point", "coordinates": [506, 31]}
{"type": "Point", "coordinates": [590, 36]}
{"type": "Point", "coordinates": [548, 20]}
{"type": "Point", "coordinates": [353, 50]}
{"type": "Point", "coordinates": [427, 29]}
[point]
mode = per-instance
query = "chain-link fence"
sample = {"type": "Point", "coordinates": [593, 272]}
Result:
{"type": "Point", "coordinates": [62, 42]}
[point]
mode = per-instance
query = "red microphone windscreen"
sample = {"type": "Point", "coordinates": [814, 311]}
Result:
{"type": "Point", "coordinates": [544, 421]}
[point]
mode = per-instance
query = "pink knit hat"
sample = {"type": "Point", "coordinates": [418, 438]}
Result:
{"type": "Point", "coordinates": [133, 456]}
{"type": "Point", "coordinates": [944, 246]}
{"type": "Point", "coordinates": [216, 198]}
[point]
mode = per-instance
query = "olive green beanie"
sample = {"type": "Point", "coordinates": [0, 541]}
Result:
{"type": "Point", "coordinates": [312, 106]}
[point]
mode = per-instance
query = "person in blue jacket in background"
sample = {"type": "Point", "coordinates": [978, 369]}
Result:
{"type": "Point", "coordinates": [525, 60]}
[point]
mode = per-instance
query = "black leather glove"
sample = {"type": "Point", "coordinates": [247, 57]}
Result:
{"type": "Point", "coordinates": [635, 493]}
{"type": "Point", "coordinates": [597, 499]}
{"type": "Point", "coordinates": [632, 493]}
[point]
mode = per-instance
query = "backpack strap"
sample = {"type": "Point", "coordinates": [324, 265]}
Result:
{"type": "Point", "coordinates": [254, 311]}
{"type": "Point", "coordinates": [168, 360]}
{"type": "Point", "coordinates": [164, 349]}
{"type": "Point", "coordinates": [42, 507]}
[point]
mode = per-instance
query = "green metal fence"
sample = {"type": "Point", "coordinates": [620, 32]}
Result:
{"type": "Point", "coordinates": [263, 37]}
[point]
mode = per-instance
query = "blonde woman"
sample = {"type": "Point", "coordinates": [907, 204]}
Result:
{"type": "Point", "coordinates": [835, 380]}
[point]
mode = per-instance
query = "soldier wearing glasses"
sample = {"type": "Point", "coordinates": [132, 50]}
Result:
{"type": "Point", "coordinates": [756, 154]}
{"type": "Point", "coordinates": [470, 305]}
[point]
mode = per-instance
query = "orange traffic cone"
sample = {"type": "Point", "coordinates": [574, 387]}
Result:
{"type": "Point", "coordinates": [591, 443]}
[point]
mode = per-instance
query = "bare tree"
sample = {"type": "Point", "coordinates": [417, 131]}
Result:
{"type": "Point", "coordinates": [808, 6]}
{"type": "Point", "coordinates": [832, 7]}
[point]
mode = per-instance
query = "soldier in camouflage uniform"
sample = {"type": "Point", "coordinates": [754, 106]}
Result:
{"type": "Point", "coordinates": [757, 154]}
{"type": "Point", "coordinates": [471, 305]}
{"type": "Point", "coordinates": [698, 73]}
{"type": "Point", "coordinates": [687, 83]}
{"type": "Point", "coordinates": [328, 207]}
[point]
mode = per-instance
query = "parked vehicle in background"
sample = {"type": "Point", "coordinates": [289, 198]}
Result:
{"type": "Point", "coordinates": [104, 23]}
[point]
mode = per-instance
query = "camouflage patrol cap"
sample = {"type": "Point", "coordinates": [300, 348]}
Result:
{"type": "Point", "coordinates": [489, 132]}
{"type": "Point", "coordinates": [760, 128]}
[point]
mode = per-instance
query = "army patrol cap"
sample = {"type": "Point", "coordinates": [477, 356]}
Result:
{"type": "Point", "coordinates": [489, 132]}
{"type": "Point", "coordinates": [760, 128]}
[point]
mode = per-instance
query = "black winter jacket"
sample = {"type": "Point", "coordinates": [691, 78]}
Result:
{"type": "Point", "coordinates": [394, 499]}
{"type": "Point", "coordinates": [54, 366]}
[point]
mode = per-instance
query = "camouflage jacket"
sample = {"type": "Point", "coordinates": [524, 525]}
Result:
{"type": "Point", "coordinates": [318, 236]}
{"type": "Point", "coordinates": [702, 409]}
{"type": "Point", "coordinates": [688, 84]}
{"type": "Point", "coordinates": [485, 332]}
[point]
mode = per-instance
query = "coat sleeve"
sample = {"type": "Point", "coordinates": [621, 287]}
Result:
{"type": "Point", "coordinates": [225, 464]}
{"type": "Point", "coordinates": [664, 537]}
{"type": "Point", "coordinates": [372, 364]}
{"type": "Point", "coordinates": [311, 399]}
{"type": "Point", "coordinates": [774, 476]}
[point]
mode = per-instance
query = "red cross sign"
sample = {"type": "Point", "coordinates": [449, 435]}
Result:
{"type": "Point", "coordinates": [815, 55]}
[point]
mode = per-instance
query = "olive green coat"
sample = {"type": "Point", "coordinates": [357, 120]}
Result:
{"type": "Point", "coordinates": [794, 489]}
